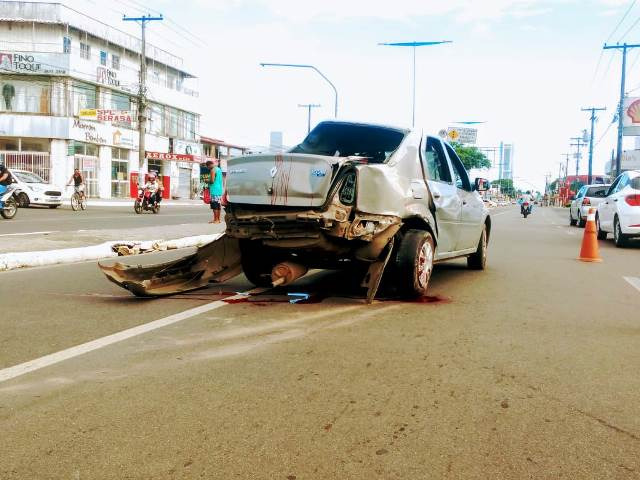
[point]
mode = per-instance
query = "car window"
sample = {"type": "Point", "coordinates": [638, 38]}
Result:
{"type": "Point", "coordinates": [435, 162]}
{"type": "Point", "coordinates": [596, 191]}
{"type": "Point", "coordinates": [352, 139]}
{"type": "Point", "coordinates": [459, 172]}
{"type": "Point", "coordinates": [613, 186]}
{"type": "Point", "coordinates": [635, 183]}
{"type": "Point", "coordinates": [28, 177]}
{"type": "Point", "coordinates": [624, 181]}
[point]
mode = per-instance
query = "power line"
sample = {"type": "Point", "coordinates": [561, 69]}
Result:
{"type": "Point", "coordinates": [633, 25]}
{"type": "Point", "coordinates": [621, 20]}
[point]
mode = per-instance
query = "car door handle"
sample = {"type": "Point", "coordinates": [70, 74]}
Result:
{"type": "Point", "coordinates": [436, 194]}
{"type": "Point", "coordinates": [615, 199]}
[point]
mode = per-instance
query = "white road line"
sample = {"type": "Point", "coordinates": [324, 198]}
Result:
{"type": "Point", "coordinates": [496, 214]}
{"type": "Point", "coordinates": [27, 233]}
{"type": "Point", "coordinates": [634, 282]}
{"type": "Point", "coordinates": [51, 359]}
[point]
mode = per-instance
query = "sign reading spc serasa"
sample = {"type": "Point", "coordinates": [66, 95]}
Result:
{"type": "Point", "coordinates": [180, 157]}
{"type": "Point", "coordinates": [102, 115]}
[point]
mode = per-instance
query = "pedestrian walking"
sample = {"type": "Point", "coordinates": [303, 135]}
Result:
{"type": "Point", "coordinates": [216, 189]}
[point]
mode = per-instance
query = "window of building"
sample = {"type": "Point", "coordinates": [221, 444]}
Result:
{"type": "Point", "coordinates": [115, 62]}
{"type": "Point", "coordinates": [85, 51]}
{"type": "Point", "coordinates": [119, 172]}
{"type": "Point", "coordinates": [155, 125]}
{"type": "Point", "coordinates": [66, 44]}
{"type": "Point", "coordinates": [82, 148]}
{"type": "Point", "coordinates": [172, 122]}
{"type": "Point", "coordinates": [190, 126]}
{"type": "Point", "coordinates": [103, 58]}
{"type": "Point", "coordinates": [171, 81]}
{"type": "Point", "coordinates": [24, 96]}
{"type": "Point", "coordinates": [85, 95]}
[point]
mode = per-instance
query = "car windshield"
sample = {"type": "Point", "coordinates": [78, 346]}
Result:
{"type": "Point", "coordinates": [345, 140]}
{"type": "Point", "coordinates": [28, 177]}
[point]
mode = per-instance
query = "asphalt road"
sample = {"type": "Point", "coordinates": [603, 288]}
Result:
{"type": "Point", "coordinates": [526, 370]}
{"type": "Point", "coordinates": [63, 219]}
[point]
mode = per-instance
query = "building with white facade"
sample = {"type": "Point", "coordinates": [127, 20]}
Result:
{"type": "Point", "coordinates": [56, 62]}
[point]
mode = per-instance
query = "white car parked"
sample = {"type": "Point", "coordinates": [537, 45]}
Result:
{"type": "Point", "coordinates": [35, 191]}
{"type": "Point", "coordinates": [589, 196]}
{"type": "Point", "coordinates": [619, 213]}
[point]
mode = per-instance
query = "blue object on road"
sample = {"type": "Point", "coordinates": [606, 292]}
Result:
{"type": "Point", "coordinates": [302, 296]}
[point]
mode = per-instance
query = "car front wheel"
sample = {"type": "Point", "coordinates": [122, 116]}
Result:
{"type": "Point", "coordinates": [602, 235]}
{"type": "Point", "coordinates": [414, 263]}
{"type": "Point", "coordinates": [572, 222]}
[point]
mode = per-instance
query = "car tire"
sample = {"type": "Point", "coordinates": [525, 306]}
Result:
{"type": "Point", "coordinates": [572, 222]}
{"type": "Point", "coordinates": [23, 200]}
{"type": "Point", "coordinates": [414, 263]}
{"type": "Point", "coordinates": [10, 208]}
{"type": "Point", "coordinates": [602, 235]}
{"type": "Point", "coordinates": [618, 237]}
{"type": "Point", "coordinates": [256, 263]}
{"type": "Point", "coordinates": [581, 222]}
{"type": "Point", "coordinates": [478, 260]}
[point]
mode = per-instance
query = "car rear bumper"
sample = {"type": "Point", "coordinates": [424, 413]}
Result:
{"type": "Point", "coordinates": [630, 224]}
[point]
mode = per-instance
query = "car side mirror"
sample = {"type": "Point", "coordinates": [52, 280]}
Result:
{"type": "Point", "coordinates": [481, 185]}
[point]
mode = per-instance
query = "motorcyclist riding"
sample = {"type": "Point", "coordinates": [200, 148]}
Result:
{"type": "Point", "coordinates": [526, 199]}
{"type": "Point", "coordinates": [5, 181]}
{"type": "Point", "coordinates": [154, 189]}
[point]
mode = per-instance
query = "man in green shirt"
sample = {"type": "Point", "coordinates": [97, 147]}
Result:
{"type": "Point", "coordinates": [216, 189]}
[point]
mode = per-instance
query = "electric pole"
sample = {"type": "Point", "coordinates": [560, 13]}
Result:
{"type": "Point", "coordinates": [624, 47]}
{"type": "Point", "coordinates": [309, 106]}
{"type": "Point", "coordinates": [593, 111]}
{"type": "Point", "coordinates": [566, 167]}
{"type": "Point", "coordinates": [142, 91]}
{"type": "Point", "coordinates": [579, 145]}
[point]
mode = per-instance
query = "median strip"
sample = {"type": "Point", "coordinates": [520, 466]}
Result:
{"type": "Point", "coordinates": [13, 261]}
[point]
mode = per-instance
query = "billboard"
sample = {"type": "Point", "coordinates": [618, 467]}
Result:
{"type": "Point", "coordinates": [103, 115]}
{"type": "Point", "coordinates": [34, 63]}
{"type": "Point", "coordinates": [631, 116]}
{"type": "Point", "coordinates": [463, 135]}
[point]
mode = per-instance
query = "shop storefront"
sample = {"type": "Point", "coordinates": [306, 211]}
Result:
{"type": "Point", "coordinates": [85, 158]}
{"type": "Point", "coordinates": [32, 154]}
{"type": "Point", "coordinates": [119, 173]}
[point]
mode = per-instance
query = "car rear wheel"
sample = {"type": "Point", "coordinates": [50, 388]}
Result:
{"type": "Point", "coordinates": [414, 263]}
{"type": "Point", "coordinates": [257, 263]}
{"type": "Point", "coordinates": [478, 260]}
{"type": "Point", "coordinates": [23, 200]}
{"type": "Point", "coordinates": [618, 237]}
{"type": "Point", "coordinates": [602, 235]}
{"type": "Point", "coordinates": [581, 221]}
{"type": "Point", "coordinates": [10, 209]}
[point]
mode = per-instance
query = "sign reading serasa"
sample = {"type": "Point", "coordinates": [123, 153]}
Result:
{"type": "Point", "coordinates": [179, 157]}
{"type": "Point", "coordinates": [102, 115]}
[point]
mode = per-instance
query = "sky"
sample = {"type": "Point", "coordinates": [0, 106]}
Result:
{"type": "Point", "coordinates": [525, 67]}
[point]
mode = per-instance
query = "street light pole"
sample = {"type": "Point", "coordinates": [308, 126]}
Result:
{"type": "Point", "coordinates": [413, 45]}
{"type": "Point", "coordinates": [309, 106]}
{"type": "Point", "coordinates": [593, 111]}
{"type": "Point", "coordinates": [295, 65]}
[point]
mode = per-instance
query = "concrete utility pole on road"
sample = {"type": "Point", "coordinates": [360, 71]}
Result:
{"type": "Point", "coordinates": [142, 91]}
{"type": "Point", "coordinates": [624, 47]}
{"type": "Point", "coordinates": [593, 111]}
{"type": "Point", "coordinates": [309, 106]}
{"type": "Point", "coordinates": [579, 145]}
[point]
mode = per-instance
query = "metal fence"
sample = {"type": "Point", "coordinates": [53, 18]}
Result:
{"type": "Point", "coordinates": [36, 162]}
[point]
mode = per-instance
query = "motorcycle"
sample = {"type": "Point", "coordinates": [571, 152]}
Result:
{"type": "Point", "coordinates": [144, 202]}
{"type": "Point", "coordinates": [525, 209]}
{"type": "Point", "coordinates": [9, 202]}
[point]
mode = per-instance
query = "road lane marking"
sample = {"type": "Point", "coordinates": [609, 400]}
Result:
{"type": "Point", "coordinates": [53, 358]}
{"type": "Point", "coordinates": [634, 282]}
{"type": "Point", "coordinates": [28, 233]}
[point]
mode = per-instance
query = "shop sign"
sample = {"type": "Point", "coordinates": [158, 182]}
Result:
{"type": "Point", "coordinates": [123, 139]}
{"type": "Point", "coordinates": [103, 115]}
{"type": "Point", "coordinates": [178, 157]}
{"type": "Point", "coordinates": [631, 116]}
{"type": "Point", "coordinates": [106, 76]}
{"type": "Point", "coordinates": [88, 132]}
{"type": "Point", "coordinates": [34, 63]}
{"type": "Point", "coordinates": [186, 148]}
{"type": "Point", "coordinates": [102, 134]}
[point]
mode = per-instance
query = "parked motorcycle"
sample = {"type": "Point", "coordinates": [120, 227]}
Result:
{"type": "Point", "coordinates": [144, 202]}
{"type": "Point", "coordinates": [525, 209]}
{"type": "Point", "coordinates": [9, 202]}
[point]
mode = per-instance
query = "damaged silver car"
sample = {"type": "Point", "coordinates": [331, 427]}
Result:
{"type": "Point", "coordinates": [367, 199]}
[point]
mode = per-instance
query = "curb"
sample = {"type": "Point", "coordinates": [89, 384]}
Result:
{"type": "Point", "coordinates": [16, 260]}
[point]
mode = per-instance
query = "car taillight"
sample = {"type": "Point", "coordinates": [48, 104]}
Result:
{"type": "Point", "coordinates": [348, 189]}
{"type": "Point", "coordinates": [586, 201]}
{"type": "Point", "coordinates": [633, 200]}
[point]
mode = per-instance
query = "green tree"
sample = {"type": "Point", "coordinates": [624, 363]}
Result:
{"type": "Point", "coordinates": [506, 185]}
{"type": "Point", "coordinates": [471, 157]}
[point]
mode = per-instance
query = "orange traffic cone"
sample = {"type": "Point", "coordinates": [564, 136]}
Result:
{"type": "Point", "coordinates": [589, 250]}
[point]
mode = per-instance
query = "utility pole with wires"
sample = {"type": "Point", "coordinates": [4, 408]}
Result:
{"type": "Point", "coordinates": [309, 106]}
{"type": "Point", "coordinates": [624, 47]}
{"type": "Point", "coordinates": [566, 167]}
{"type": "Point", "coordinates": [142, 91]}
{"type": "Point", "coordinates": [593, 111]}
{"type": "Point", "coordinates": [579, 144]}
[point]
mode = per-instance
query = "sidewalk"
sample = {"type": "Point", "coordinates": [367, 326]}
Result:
{"type": "Point", "coordinates": [128, 202]}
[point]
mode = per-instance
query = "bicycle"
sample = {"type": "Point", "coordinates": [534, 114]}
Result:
{"type": "Point", "coordinates": [78, 200]}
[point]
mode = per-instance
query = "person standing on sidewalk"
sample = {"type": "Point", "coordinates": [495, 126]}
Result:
{"type": "Point", "coordinates": [216, 189]}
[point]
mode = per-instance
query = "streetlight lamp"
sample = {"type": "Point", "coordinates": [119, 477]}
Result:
{"type": "Point", "coordinates": [413, 45]}
{"type": "Point", "coordinates": [295, 65]}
